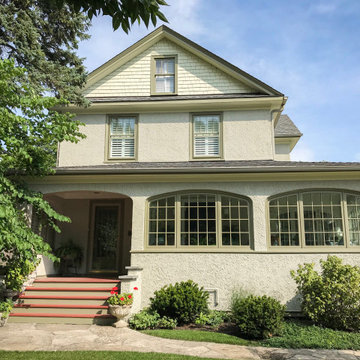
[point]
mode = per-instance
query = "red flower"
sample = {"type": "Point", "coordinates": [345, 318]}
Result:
{"type": "Point", "coordinates": [112, 292]}
{"type": "Point", "coordinates": [135, 288]}
{"type": "Point", "coordinates": [115, 288]}
{"type": "Point", "coordinates": [129, 296]}
{"type": "Point", "coordinates": [122, 299]}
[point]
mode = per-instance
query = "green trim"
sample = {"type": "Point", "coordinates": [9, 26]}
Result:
{"type": "Point", "coordinates": [192, 137]}
{"type": "Point", "coordinates": [302, 247]}
{"type": "Point", "coordinates": [110, 159]}
{"type": "Point", "coordinates": [198, 248]}
{"type": "Point", "coordinates": [153, 74]}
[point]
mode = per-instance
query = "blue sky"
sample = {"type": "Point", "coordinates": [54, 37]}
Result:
{"type": "Point", "coordinates": [308, 50]}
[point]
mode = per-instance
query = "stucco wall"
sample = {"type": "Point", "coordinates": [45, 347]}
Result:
{"type": "Point", "coordinates": [247, 135]}
{"type": "Point", "coordinates": [282, 152]}
{"type": "Point", "coordinates": [259, 271]}
{"type": "Point", "coordinates": [194, 75]}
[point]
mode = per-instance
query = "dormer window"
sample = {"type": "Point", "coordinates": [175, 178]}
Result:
{"type": "Point", "coordinates": [164, 75]}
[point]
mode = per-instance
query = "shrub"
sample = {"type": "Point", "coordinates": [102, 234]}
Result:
{"type": "Point", "coordinates": [5, 308]}
{"type": "Point", "coordinates": [183, 301]}
{"type": "Point", "coordinates": [143, 320]}
{"type": "Point", "coordinates": [147, 319]}
{"type": "Point", "coordinates": [331, 298]}
{"type": "Point", "coordinates": [166, 323]}
{"type": "Point", "coordinates": [212, 318]}
{"type": "Point", "coordinates": [257, 317]}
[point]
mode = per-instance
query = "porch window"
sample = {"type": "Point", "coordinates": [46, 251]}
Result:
{"type": "Point", "coordinates": [122, 137]}
{"type": "Point", "coordinates": [315, 219]}
{"type": "Point", "coordinates": [199, 220]}
{"type": "Point", "coordinates": [206, 136]}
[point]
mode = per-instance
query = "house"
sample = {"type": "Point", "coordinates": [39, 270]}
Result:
{"type": "Point", "coordinates": [185, 173]}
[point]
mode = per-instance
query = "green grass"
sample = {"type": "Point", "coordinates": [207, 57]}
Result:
{"type": "Point", "coordinates": [296, 335]}
{"type": "Point", "coordinates": [200, 335]}
{"type": "Point", "coordinates": [93, 355]}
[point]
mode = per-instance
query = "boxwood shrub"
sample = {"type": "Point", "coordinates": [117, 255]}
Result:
{"type": "Point", "coordinates": [183, 301]}
{"type": "Point", "coordinates": [257, 317]}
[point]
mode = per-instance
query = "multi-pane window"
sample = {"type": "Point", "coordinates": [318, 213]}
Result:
{"type": "Point", "coordinates": [201, 220]}
{"type": "Point", "coordinates": [353, 212]}
{"type": "Point", "coordinates": [315, 219]}
{"type": "Point", "coordinates": [162, 222]}
{"type": "Point", "coordinates": [206, 135]}
{"type": "Point", "coordinates": [164, 75]}
{"type": "Point", "coordinates": [235, 221]}
{"type": "Point", "coordinates": [198, 219]}
{"type": "Point", "coordinates": [323, 224]}
{"type": "Point", "coordinates": [122, 137]}
{"type": "Point", "coordinates": [284, 229]}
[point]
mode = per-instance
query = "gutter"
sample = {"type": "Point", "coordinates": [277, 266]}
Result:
{"type": "Point", "coordinates": [199, 170]}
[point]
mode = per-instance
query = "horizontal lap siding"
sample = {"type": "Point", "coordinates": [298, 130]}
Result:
{"type": "Point", "coordinates": [194, 76]}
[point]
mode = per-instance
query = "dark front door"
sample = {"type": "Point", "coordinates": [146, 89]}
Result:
{"type": "Point", "coordinates": [104, 242]}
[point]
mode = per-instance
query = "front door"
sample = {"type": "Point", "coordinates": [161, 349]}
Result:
{"type": "Point", "coordinates": [104, 239]}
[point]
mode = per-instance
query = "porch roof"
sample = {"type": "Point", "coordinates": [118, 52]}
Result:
{"type": "Point", "coordinates": [245, 166]}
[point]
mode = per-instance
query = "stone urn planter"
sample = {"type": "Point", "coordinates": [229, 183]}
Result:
{"type": "Point", "coordinates": [120, 312]}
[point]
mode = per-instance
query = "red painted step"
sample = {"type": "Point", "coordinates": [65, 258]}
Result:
{"type": "Point", "coordinates": [104, 316]}
{"type": "Point", "coordinates": [59, 306]}
{"type": "Point", "coordinates": [34, 288]}
{"type": "Point", "coordinates": [25, 296]}
{"type": "Point", "coordinates": [74, 280]}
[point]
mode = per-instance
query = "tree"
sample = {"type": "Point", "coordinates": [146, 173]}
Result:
{"type": "Point", "coordinates": [124, 12]}
{"type": "Point", "coordinates": [38, 58]}
{"type": "Point", "coordinates": [29, 134]}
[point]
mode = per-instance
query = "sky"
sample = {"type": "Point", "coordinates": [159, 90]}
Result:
{"type": "Point", "coordinates": [308, 50]}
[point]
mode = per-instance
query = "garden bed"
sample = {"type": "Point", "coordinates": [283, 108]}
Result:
{"type": "Point", "coordinates": [296, 334]}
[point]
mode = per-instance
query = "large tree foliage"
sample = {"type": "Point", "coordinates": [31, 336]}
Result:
{"type": "Point", "coordinates": [123, 12]}
{"type": "Point", "coordinates": [44, 39]}
{"type": "Point", "coordinates": [29, 134]}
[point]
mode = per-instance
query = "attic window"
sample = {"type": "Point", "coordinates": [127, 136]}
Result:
{"type": "Point", "coordinates": [164, 75]}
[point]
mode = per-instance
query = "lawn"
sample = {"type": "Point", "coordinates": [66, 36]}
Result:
{"type": "Point", "coordinates": [296, 334]}
{"type": "Point", "coordinates": [93, 355]}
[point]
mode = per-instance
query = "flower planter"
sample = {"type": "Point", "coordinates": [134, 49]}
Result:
{"type": "Point", "coordinates": [120, 312]}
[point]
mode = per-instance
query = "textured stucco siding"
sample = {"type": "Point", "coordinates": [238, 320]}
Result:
{"type": "Point", "coordinates": [282, 152]}
{"type": "Point", "coordinates": [195, 76]}
{"type": "Point", "coordinates": [258, 271]}
{"type": "Point", "coordinates": [247, 135]}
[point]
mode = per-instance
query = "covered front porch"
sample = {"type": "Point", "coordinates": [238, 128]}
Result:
{"type": "Point", "coordinates": [100, 228]}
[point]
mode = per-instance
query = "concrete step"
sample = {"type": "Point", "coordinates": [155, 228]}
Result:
{"type": "Point", "coordinates": [70, 282]}
{"type": "Point", "coordinates": [65, 291]}
{"type": "Point", "coordinates": [65, 300]}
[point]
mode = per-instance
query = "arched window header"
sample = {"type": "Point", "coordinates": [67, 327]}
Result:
{"type": "Point", "coordinates": [199, 219]}
{"type": "Point", "coordinates": [315, 219]}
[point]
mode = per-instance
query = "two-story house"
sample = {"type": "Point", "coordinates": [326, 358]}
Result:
{"type": "Point", "coordinates": [185, 173]}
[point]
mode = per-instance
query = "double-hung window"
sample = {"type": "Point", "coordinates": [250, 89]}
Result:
{"type": "Point", "coordinates": [206, 136]}
{"type": "Point", "coordinates": [164, 75]}
{"type": "Point", "coordinates": [122, 137]}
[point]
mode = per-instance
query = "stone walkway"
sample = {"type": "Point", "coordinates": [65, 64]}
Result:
{"type": "Point", "coordinates": [51, 337]}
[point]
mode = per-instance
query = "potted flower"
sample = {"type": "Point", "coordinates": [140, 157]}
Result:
{"type": "Point", "coordinates": [119, 306]}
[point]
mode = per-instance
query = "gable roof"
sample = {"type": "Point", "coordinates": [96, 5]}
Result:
{"type": "Point", "coordinates": [285, 128]}
{"type": "Point", "coordinates": [165, 32]}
